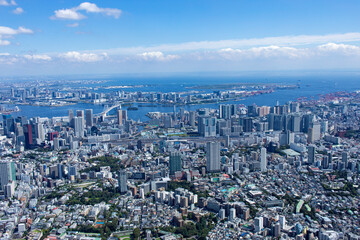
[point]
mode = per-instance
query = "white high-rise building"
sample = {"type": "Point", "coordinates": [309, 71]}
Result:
{"type": "Point", "coordinates": [258, 222]}
{"type": "Point", "coordinates": [79, 126]}
{"type": "Point", "coordinates": [232, 214]}
{"type": "Point", "coordinates": [263, 161]}
{"type": "Point", "coordinates": [213, 156]}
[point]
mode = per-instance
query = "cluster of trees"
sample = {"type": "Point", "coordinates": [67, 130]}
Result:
{"type": "Point", "coordinates": [113, 163]}
{"type": "Point", "coordinates": [93, 197]}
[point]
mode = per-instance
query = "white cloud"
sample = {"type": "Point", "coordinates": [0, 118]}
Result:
{"type": "Point", "coordinates": [11, 31]}
{"type": "Point", "coordinates": [68, 14]}
{"type": "Point", "coordinates": [18, 11]}
{"type": "Point", "coordinates": [157, 56]}
{"type": "Point", "coordinates": [35, 57]}
{"type": "Point", "coordinates": [73, 25]}
{"type": "Point", "coordinates": [4, 54]}
{"type": "Point", "coordinates": [7, 3]}
{"type": "Point", "coordinates": [73, 13]}
{"type": "Point", "coordinates": [339, 49]}
{"type": "Point", "coordinates": [283, 41]}
{"type": "Point", "coordinates": [83, 57]}
{"type": "Point", "coordinates": [4, 42]}
{"type": "Point", "coordinates": [6, 32]}
{"type": "Point", "coordinates": [92, 8]}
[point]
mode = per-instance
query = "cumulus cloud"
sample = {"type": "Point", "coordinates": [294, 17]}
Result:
{"type": "Point", "coordinates": [83, 57]}
{"type": "Point", "coordinates": [6, 32]}
{"type": "Point", "coordinates": [74, 14]}
{"type": "Point", "coordinates": [7, 3]}
{"type": "Point", "coordinates": [18, 11]}
{"type": "Point", "coordinates": [68, 14]}
{"type": "Point", "coordinates": [157, 56]}
{"type": "Point", "coordinates": [339, 49]}
{"type": "Point", "coordinates": [11, 31]}
{"type": "Point", "coordinates": [41, 57]}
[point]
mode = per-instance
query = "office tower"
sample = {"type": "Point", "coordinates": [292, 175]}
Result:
{"type": "Point", "coordinates": [122, 181]}
{"type": "Point", "coordinates": [79, 127]}
{"type": "Point", "coordinates": [311, 154]}
{"type": "Point", "coordinates": [294, 107]}
{"type": "Point", "coordinates": [252, 110]}
{"type": "Point", "coordinates": [232, 214]}
{"type": "Point", "coordinates": [316, 127]}
{"type": "Point", "coordinates": [7, 173]}
{"type": "Point", "coordinates": [345, 159]}
{"type": "Point", "coordinates": [60, 170]}
{"type": "Point", "coordinates": [295, 123]}
{"type": "Point", "coordinates": [207, 126]}
{"type": "Point", "coordinates": [168, 122]}
{"type": "Point", "coordinates": [71, 115]}
{"type": "Point", "coordinates": [263, 161]}
{"type": "Point", "coordinates": [247, 124]}
{"type": "Point", "coordinates": [89, 117]}
{"type": "Point", "coordinates": [225, 111]}
{"type": "Point", "coordinates": [39, 131]}
{"type": "Point", "coordinates": [174, 162]}
{"type": "Point", "coordinates": [213, 156]}
{"type": "Point", "coordinates": [28, 135]}
{"type": "Point", "coordinates": [192, 116]}
{"type": "Point", "coordinates": [306, 122]}
{"type": "Point", "coordinates": [286, 138]}
{"type": "Point", "coordinates": [72, 171]}
{"type": "Point", "coordinates": [8, 124]}
{"type": "Point", "coordinates": [121, 116]}
{"type": "Point", "coordinates": [258, 223]}
{"type": "Point", "coordinates": [182, 114]}
{"type": "Point", "coordinates": [56, 144]}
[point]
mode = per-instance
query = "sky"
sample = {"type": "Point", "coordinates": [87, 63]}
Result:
{"type": "Point", "coordinates": [42, 37]}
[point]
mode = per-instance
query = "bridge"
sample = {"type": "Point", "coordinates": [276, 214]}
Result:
{"type": "Point", "coordinates": [106, 111]}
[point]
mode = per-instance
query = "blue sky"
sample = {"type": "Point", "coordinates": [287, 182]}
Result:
{"type": "Point", "coordinates": [145, 36]}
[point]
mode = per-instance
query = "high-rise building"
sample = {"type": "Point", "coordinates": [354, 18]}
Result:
{"type": "Point", "coordinates": [121, 116]}
{"type": "Point", "coordinates": [263, 161]}
{"type": "Point", "coordinates": [213, 156]}
{"type": "Point", "coordinates": [122, 181]}
{"type": "Point", "coordinates": [225, 111]}
{"type": "Point", "coordinates": [89, 117]}
{"type": "Point", "coordinates": [247, 124]}
{"type": "Point", "coordinates": [345, 159]}
{"type": "Point", "coordinates": [207, 126]}
{"type": "Point", "coordinates": [79, 126]}
{"type": "Point", "coordinates": [7, 173]}
{"type": "Point", "coordinates": [71, 118]}
{"type": "Point", "coordinates": [39, 131]}
{"type": "Point", "coordinates": [28, 135]}
{"type": "Point", "coordinates": [174, 162]}
{"type": "Point", "coordinates": [192, 116]}
{"type": "Point", "coordinates": [311, 154]}
{"type": "Point", "coordinates": [258, 223]}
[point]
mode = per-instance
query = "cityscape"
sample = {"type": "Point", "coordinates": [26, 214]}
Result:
{"type": "Point", "coordinates": [193, 119]}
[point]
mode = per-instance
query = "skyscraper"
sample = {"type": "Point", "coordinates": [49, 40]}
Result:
{"type": "Point", "coordinates": [122, 180]}
{"type": "Point", "coordinates": [207, 126]}
{"type": "Point", "coordinates": [7, 173]}
{"type": "Point", "coordinates": [174, 162]}
{"type": "Point", "coordinates": [79, 126]}
{"type": "Point", "coordinates": [213, 156]}
{"type": "Point", "coordinates": [311, 154]}
{"type": "Point", "coordinates": [121, 116]}
{"type": "Point", "coordinates": [89, 117]}
{"type": "Point", "coordinates": [263, 161]}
